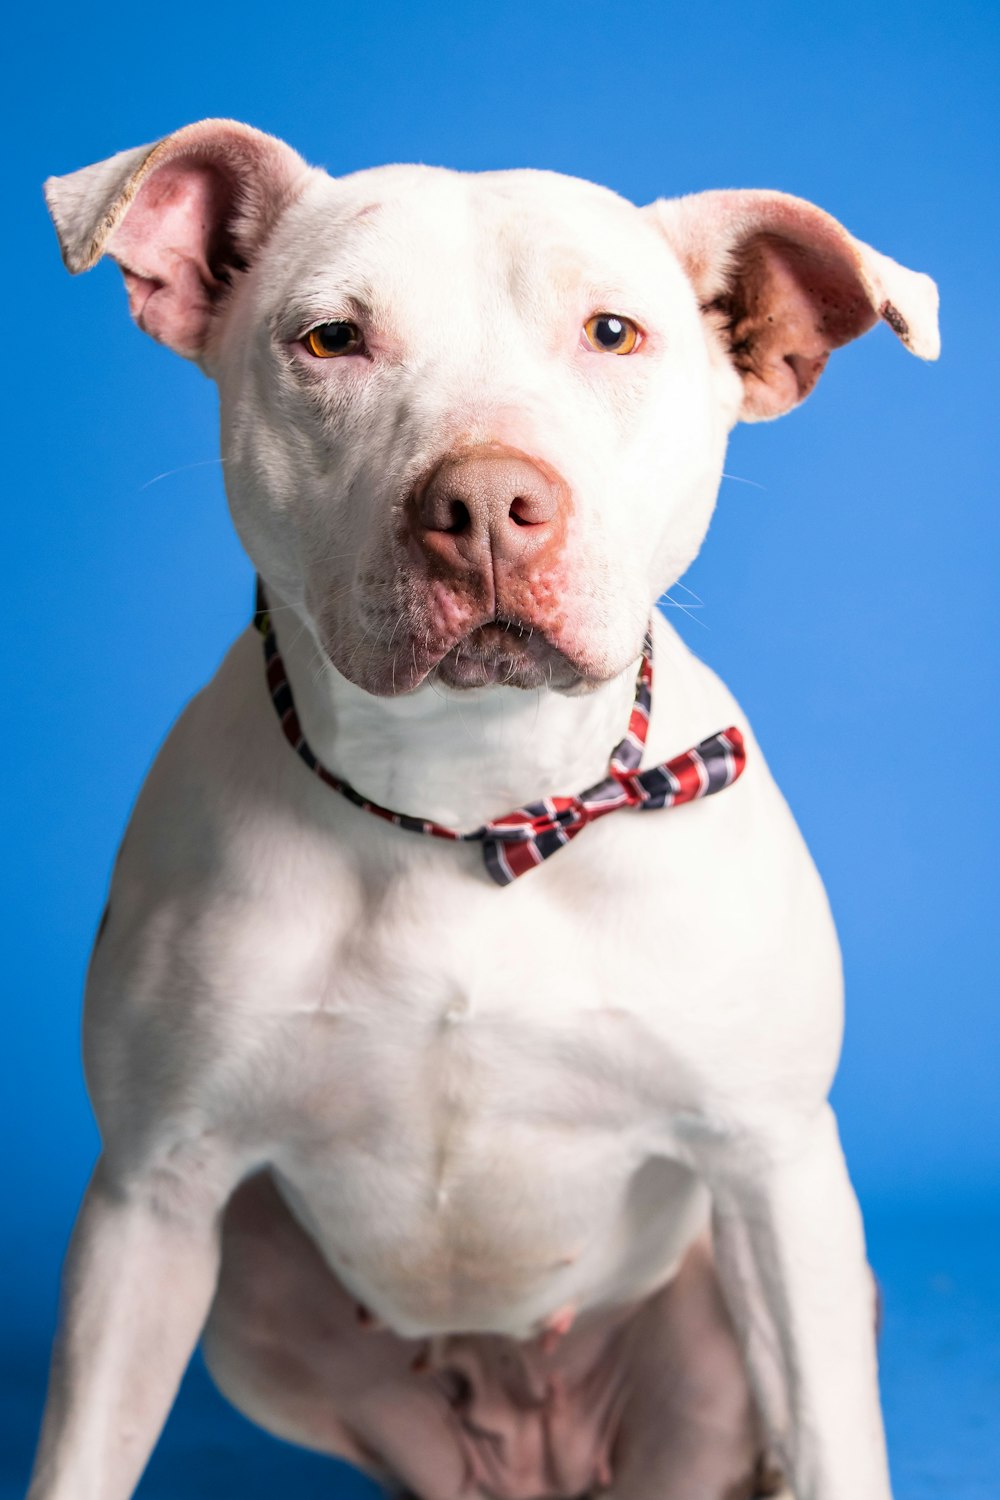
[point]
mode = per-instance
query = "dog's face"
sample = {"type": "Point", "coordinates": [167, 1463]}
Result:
{"type": "Point", "coordinates": [460, 490]}
{"type": "Point", "coordinates": [473, 426]}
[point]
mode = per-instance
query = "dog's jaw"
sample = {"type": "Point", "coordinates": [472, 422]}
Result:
{"type": "Point", "coordinates": [506, 745]}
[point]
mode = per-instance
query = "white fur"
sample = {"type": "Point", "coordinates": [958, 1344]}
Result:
{"type": "Point", "coordinates": [457, 1085]}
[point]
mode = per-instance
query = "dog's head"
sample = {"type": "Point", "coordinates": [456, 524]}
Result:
{"type": "Point", "coordinates": [474, 425]}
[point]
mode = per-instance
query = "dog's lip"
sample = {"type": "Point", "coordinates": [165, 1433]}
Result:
{"type": "Point", "coordinates": [502, 625]}
{"type": "Point", "coordinates": [507, 650]}
{"type": "Point", "coordinates": [506, 636]}
{"type": "Point", "coordinates": [496, 634]}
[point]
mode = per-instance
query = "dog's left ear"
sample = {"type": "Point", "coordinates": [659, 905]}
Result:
{"type": "Point", "coordinates": [781, 284]}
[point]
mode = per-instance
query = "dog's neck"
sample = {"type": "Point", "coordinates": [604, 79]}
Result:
{"type": "Point", "coordinates": [455, 757]}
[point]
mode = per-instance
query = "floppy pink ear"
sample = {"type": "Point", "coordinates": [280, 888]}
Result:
{"type": "Point", "coordinates": [180, 217]}
{"type": "Point", "coordinates": [782, 284]}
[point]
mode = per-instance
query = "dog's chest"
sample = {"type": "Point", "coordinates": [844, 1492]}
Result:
{"type": "Point", "coordinates": [476, 1122]}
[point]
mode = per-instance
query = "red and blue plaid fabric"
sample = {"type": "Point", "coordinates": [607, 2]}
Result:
{"type": "Point", "coordinates": [520, 840]}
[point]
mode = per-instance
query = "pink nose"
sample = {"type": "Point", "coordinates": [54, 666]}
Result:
{"type": "Point", "coordinates": [489, 505]}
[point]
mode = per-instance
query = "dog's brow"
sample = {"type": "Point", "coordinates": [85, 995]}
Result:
{"type": "Point", "coordinates": [324, 303]}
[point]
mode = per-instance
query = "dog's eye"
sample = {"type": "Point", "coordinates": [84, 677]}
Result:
{"type": "Point", "coordinates": [331, 339]}
{"type": "Point", "coordinates": [610, 334]}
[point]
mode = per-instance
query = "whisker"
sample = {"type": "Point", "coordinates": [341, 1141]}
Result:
{"type": "Point", "coordinates": [739, 479]}
{"type": "Point", "coordinates": [679, 585]}
{"type": "Point", "coordinates": [281, 609]}
{"type": "Point", "coordinates": [328, 557]}
{"type": "Point", "coordinates": [183, 469]}
{"type": "Point", "coordinates": [357, 648]}
{"type": "Point", "coordinates": [687, 609]}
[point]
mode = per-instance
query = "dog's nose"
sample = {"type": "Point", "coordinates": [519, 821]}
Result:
{"type": "Point", "coordinates": [488, 504]}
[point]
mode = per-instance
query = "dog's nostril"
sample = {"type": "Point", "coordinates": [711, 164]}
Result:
{"type": "Point", "coordinates": [520, 511]}
{"type": "Point", "coordinates": [458, 517]}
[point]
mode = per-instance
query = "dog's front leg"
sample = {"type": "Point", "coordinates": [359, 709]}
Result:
{"type": "Point", "coordinates": [790, 1253]}
{"type": "Point", "coordinates": [137, 1285]}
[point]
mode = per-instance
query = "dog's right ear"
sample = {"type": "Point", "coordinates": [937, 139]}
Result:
{"type": "Point", "coordinates": [180, 217]}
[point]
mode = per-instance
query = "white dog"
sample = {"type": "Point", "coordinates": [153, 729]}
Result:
{"type": "Point", "coordinates": [505, 1176]}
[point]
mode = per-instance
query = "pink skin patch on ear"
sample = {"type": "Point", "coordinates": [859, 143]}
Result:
{"type": "Point", "coordinates": [788, 309]}
{"type": "Point", "coordinates": [172, 249]}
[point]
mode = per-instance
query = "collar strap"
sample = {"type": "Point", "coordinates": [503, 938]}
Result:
{"type": "Point", "coordinates": [520, 840]}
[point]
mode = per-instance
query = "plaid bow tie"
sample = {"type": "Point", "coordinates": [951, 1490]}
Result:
{"type": "Point", "coordinates": [520, 840]}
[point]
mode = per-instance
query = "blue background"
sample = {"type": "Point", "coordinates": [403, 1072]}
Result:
{"type": "Point", "coordinates": [846, 591]}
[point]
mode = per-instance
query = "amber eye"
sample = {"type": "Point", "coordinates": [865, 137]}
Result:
{"type": "Point", "coordinates": [331, 339]}
{"type": "Point", "coordinates": [610, 334]}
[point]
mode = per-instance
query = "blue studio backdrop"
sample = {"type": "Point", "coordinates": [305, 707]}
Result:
{"type": "Point", "coordinates": [846, 589]}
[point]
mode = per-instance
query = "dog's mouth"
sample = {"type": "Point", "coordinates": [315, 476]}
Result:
{"type": "Point", "coordinates": [394, 656]}
{"type": "Point", "coordinates": [505, 652]}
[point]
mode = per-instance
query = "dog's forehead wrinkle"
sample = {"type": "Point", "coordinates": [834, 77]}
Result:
{"type": "Point", "coordinates": [367, 211]}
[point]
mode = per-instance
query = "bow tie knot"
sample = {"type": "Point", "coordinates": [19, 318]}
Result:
{"type": "Point", "coordinates": [631, 784]}
{"type": "Point", "coordinates": [556, 815]}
